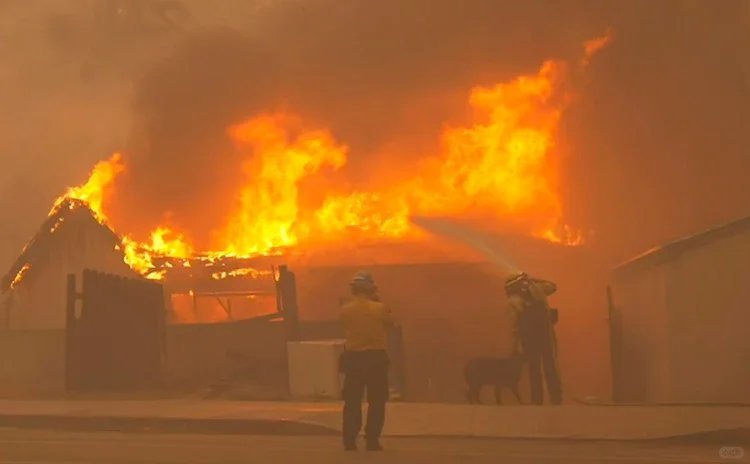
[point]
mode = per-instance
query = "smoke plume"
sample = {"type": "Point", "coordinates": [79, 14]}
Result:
{"type": "Point", "coordinates": [655, 146]}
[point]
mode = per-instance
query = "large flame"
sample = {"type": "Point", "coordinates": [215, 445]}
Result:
{"type": "Point", "coordinates": [268, 212]}
{"type": "Point", "coordinates": [500, 166]}
{"type": "Point", "coordinates": [93, 191]}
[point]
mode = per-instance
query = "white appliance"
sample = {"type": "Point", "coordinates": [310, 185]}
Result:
{"type": "Point", "coordinates": [314, 369]}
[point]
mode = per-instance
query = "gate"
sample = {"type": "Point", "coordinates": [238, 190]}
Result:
{"type": "Point", "coordinates": [114, 334]}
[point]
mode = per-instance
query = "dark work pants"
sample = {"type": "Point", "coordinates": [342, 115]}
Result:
{"type": "Point", "coordinates": [539, 348]}
{"type": "Point", "coordinates": [540, 359]}
{"type": "Point", "coordinates": [364, 370]}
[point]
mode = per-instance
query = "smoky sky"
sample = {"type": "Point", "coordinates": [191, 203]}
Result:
{"type": "Point", "coordinates": [656, 145]}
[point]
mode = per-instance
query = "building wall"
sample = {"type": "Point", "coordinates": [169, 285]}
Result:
{"type": "Point", "coordinates": [685, 325]}
{"type": "Point", "coordinates": [38, 303]}
{"type": "Point", "coordinates": [32, 363]}
{"type": "Point", "coordinates": [709, 295]}
{"type": "Point", "coordinates": [641, 301]}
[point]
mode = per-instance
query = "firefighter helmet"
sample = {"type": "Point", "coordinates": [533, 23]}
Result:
{"type": "Point", "coordinates": [515, 278]}
{"type": "Point", "coordinates": [363, 280]}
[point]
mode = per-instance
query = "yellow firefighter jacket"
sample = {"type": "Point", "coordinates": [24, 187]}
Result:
{"type": "Point", "coordinates": [540, 290]}
{"type": "Point", "coordinates": [365, 324]}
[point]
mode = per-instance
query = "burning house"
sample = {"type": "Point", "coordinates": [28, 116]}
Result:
{"type": "Point", "coordinates": [76, 239]}
{"type": "Point", "coordinates": [73, 241]}
{"type": "Point", "coordinates": [72, 238]}
{"type": "Point", "coordinates": [215, 252]}
{"type": "Point", "coordinates": [204, 289]}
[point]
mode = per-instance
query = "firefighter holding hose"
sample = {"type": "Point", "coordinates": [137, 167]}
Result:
{"type": "Point", "coordinates": [366, 322]}
{"type": "Point", "coordinates": [532, 333]}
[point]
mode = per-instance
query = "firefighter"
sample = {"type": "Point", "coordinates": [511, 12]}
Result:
{"type": "Point", "coordinates": [365, 361]}
{"type": "Point", "coordinates": [532, 333]}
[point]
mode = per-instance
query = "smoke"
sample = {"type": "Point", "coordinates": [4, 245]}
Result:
{"type": "Point", "coordinates": [383, 77]}
{"type": "Point", "coordinates": [655, 146]}
{"type": "Point", "coordinates": [66, 75]}
{"type": "Point", "coordinates": [659, 138]}
{"type": "Point", "coordinates": [181, 163]}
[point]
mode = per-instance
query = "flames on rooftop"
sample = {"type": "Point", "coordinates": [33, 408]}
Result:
{"type": "Point", "coordinates": [502, 166]}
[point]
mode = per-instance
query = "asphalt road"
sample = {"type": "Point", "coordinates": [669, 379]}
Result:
{"type": "Point", "coordinates": [51, 447]}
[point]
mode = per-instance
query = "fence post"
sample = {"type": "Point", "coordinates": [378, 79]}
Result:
{"type": "Point", "coordinates": [70, 326]}
{"type": "Point", "coordinates": [289, 309]}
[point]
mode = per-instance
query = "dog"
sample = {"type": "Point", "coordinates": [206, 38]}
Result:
{"type": "Point", "coordinates": [498, 372]}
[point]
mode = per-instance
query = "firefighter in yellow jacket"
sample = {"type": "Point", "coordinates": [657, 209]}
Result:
{"type": "Point", "coordinates": [532, 333]}
{"type": "Point", "coordinates": [365, 362]}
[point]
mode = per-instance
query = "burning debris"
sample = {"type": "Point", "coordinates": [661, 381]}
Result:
{"type": "Point", "coordinates": [20, 275]}
{"type": "Point", "coordinates": [248, 271]}
{"type": "Point", "coordinates": [74, 237]}
{"type": "Point", "coordinates": [68, 231]}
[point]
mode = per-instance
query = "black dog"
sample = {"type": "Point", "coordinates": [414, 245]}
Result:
{"type": "Point", "coordinates": [498, 372]}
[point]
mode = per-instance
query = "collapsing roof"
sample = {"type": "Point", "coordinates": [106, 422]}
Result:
{"type": "Point", "coordinates": [49, 236]}
{"type": "Point", "coordinates": [673, 250]}
{"type": "Point", "coordinates": [198, 273]}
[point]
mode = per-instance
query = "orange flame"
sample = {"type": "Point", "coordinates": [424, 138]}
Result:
{"type": "Point", "coordinates": [137, 257]}
{"type": "Point", "coordinates": [242, 272]}
{"type": "Point", "coordinates": [501, 166]}
{"type": "Point", "coordinates": [502, 163]}
{"type": "Point", "coordinates": [366, 212]}
{"type": "Point", "coordinates": [166, 242]}
{"type": "Point", "coordinates": [92, 192]}
{"type": "Point", "coordinates": [20, 275]}
{"type": "Point", "coordinates": [267, 213]}
{"type": "Point", "coordinates": [591, 47]}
